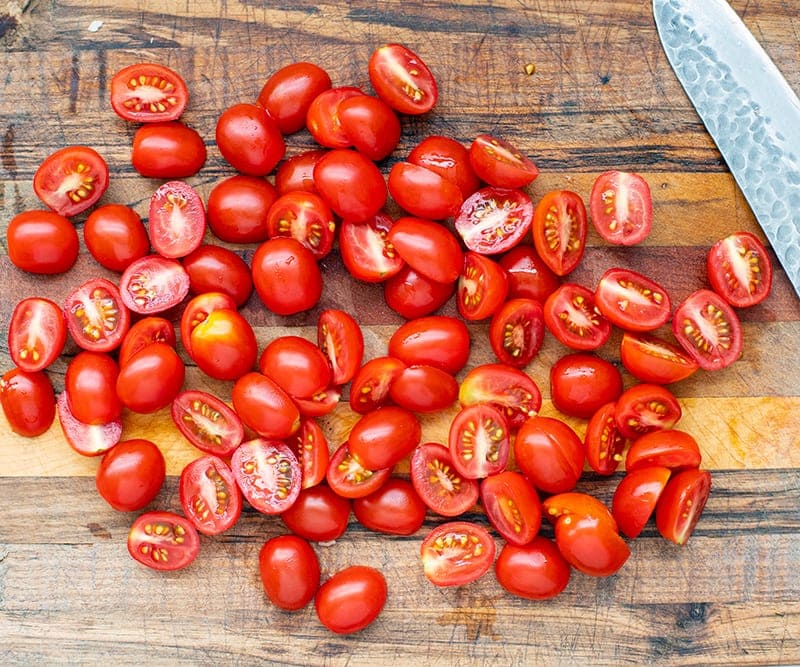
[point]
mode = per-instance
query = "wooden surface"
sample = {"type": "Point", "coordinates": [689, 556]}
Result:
{"type": "Point", "coordinates": [602, 96]}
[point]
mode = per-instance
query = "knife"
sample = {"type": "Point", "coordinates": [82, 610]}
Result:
{"type": "Point", "coordinates": [748, 109]}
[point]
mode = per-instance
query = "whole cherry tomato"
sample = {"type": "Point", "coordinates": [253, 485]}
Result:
{"type": "Point", "coordinates": [318, 514]}
{"type": "Point", "coordinates": [297, 365]}
{"type": "Point", "coordinates": [436, 340]}
{"type": "Point", "coordinates": [264, 407]}
{"type": "Point", "coordinates": [90, 382]}
{"type": "Point", "coordinates": [148, 92]}
{"type": "Point", "coordinates": [71, 180]}
{"type": "Point", "coordinates": [163, 541]}
{"type": "Point", "coordinates": [289, 570]}
{"type": "Point", "coordinates": [214, 268]}
{"type": "Point", "coordinates": [42, 242]}
{"type": "Point", "coordinates": [224, 345]}
{"type": "Point", "coordinates": [428, 247]}
{"type": "Point", "coordinates": [371, 125]}
{"type": "Point", "coordinates": [167, 149]}
{"type": "Point", "coordinates": [549, 453]}
{"type": "Point", "coordinates": [115, 236]}
{"type": "Point", "coordinates": [382, 438]}
{"type": "Point", "coordinates": [424, 388]}
{"type": "Point", "coordinates": [151, 379]}
{"type": "Point", "coordinates": [286, 276]}
{"type": "Point", "coordinates": [351, 599]}
{"type": "Point", "coordinates": [238, 208]}
{"type": "Point", "coordinates": [130, 474]}
{"type": "Point", "coordinates": [322, 119]}
{"type": "Point", "coordinates": [250, 139]}
{"type": "Point", "coordinates": [394, 509]}
{"type": "Point", "coordinates": [28, 401]}
{"type": "Point", "coordinates": [528, 275]}
{"type": "Point", "coordinates": [536, 570]}
{"type": "Point", "coordinates": [581, 383]}
{"type": "Point", "coordinates": [351, 184]}
{"type": "Point", "coordinates": [410, 294]}
{"type": "Point", "coordinates": [152, 329]}
{"type": "Point", "coordinates": [288, 93]}
{"type": "Point", "coordinates": [423, 192]}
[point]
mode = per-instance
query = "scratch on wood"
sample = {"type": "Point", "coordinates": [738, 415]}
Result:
{"type": "Point", "coordinates": [74, 83]}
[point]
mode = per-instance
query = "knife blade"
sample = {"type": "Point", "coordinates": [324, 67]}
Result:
{"type": "Point", "coordinates": [748, 108]}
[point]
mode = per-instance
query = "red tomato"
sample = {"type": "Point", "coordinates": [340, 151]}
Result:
{"type": "Point", "coordinates": [318, 514]}
{"type": "Point", "coordinates": [449, 159]}
{"type": "Point", "coordinates": [153, 284]}
{"type": "Point", "coordinates": [603, 441]}
{"type": "Point", "coordinates": [457, 553]}
{"type": "Point", "coordinates": [708, 329]}
{"type": "Point", "coordinates": [177, 219]}
{"type": "Point", "coordinates": [224, 345]}
{"type": "Point", "coordinates": [370, 125]}
{"type": "Point", "coordinates": [516, 332]}
{"type": "Point", "coordinates": [646, 407]}
{"type": "Point", "coordinates": [504, 386]}
{"type": "Point", "coordinates": [349, 479]}
{"type": "Point", "coordinates": [669, 448]}
{"type": "Point", "coordinates": [37, 333]}
{"type": "Point", "coordinates": [681, 504]}
{"type": "Point", "coordinates": [268, 474]}
{"type": "Point", "coordinates": [90, 383]}
{"type": "Point", "coordinates": [310, 446]}
{"type": "Point", "coordinates": [402, 79]}
{"type": "Point", "coordinates": [549, 453]}
{"type": "Point", "coordinates": [351, 184]}
{"type": "Point", "coordinates": [493, 220]}
{"type": "Point", "coordinates": [289, 570]}
{"type": "Point", "coordinates": [163, 541]}
{"type": "Point", "coordinates": [621, 207]}
{"type": "Point", "coordinates": [264, 407]}
{"type": "Point", "coordinates": [631, 301]}
{"type": "Point", "coordinates": [571, 316]}
{"type": "Point", "coordinates": [436, 340]}
{"type": "Point", "coordinates": [577, 504]}
{"type": "Point", "coordinates": [559, 230]}
{"type": "Point", "coordinates": [286, 276]}
{"type": "Point", "coordinates": [297, 172]}
{"type": "Point", "coordinates": [297, 365]}
{"type": "Point", "coordinates": [351, 599]}
{"type": "Point", "coordinates": [382, 438]}
{"type": "Point", "coordinates": [366, 251]}
{"type": "Point", "coordinates": [322, 119]}
{"type": "Point", "coordinates": [500, 163]}
{"type": "Point", "coordinates": [739, 269]}
{"type": "Point", "coordinates": [288, 93]}
{"type": "Point", "coordinates": [394, 509]}
{"type": "Point", "coordinates": [655, 360]}
{"type": "Point", "coordinates": [589, 546]}
{"type": "Point", "coordinates": [427, 247]}
{"type": "Point", "coordinates": [28, 400]}
{"type": "Point", "coordinates": [71, 179]}
{"type": "Point", "coordinates": [528, 276]}
{"type": "Point", "coordinates": [96, 316]}
{"type": "Point", "coordinates": [115, 236]}
{"type": "Point", "coordinates": [214, 268]}
{"type": "Point", "coordinates": [148, 330]}
{"type": "Point", "coordinates": [320, 404]}
{"type": "Point", "coordinates": [512, 506]}
{"type": "Point", "coordinates": [209, 496]}
{"type": "Point", "coordinates": [238, 208]}
{"type": "Point", "coordinates": [370, 386]}
{"type": "Point", "coordinates": [86, 439]}
{"type": "Point", "coordinates": [249, 139]}
{"type": "Point", "coordinates": [206, 422]}
{"type": "Point", "coordinates": [581, 383]}
{"type": "Point", "coordinates": [423, 192]}
{"type": "Point", "coordinates": [197, 311]}
{"type": "Point", "coordinates": [636, 496]}
{"type": "Point", "coordinates": [341, 341]}
{"type": "Point", "coordinates": [42, 242]}
{"type": "Point", "coordinates": [412, 295]}
{"type": "Point", "coordinates": [482, 287]}
{"type": "Point", "coordinates": [438, 483]}
{"type": "Point", "coordinates": [167, 150]}
{"type": "Point", "coordinates": [479, 441]}
{"type": "Point", "coordinates": [423, 388]}
{"type": "Point", "coordinates": [305, 217]}
{"type": "Point", "coordinates": [536, 571]}
{"type": "Point", "coordinates": [130, 474]}
{"type": "Point", "coordinates": [148, 92]}
{"type": "Point", "coordinates": [151, 379]}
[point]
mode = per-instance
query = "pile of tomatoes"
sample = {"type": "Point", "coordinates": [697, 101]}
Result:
{"type": "Point", "coordinates": [463, 229]}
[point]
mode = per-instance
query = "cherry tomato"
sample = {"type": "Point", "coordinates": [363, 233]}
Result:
{"type": "Point", "coordinates": [289, 570]}
{"type": "Point", "coordinates": [621, 207]}
{"type": "Point", "coordinates": [349, 479]}
{"type": "Point", "coordinates": [423, 192]}
{"type": "Point", "coordinates": [479, 441]}
{"type": "Point", "coordinates": [370, 386]}
{"type": "Point", "coordinates": [449, 159]}
{"type": "Point", "coordinates": [37, 333]}
{"type": "Point", "coordinates": [224, 345]}
{"type": "Point", "coordinates": [310, 446]}
{"type": "Point", "coordinates": [428, 247]}
{"type": "Point", "coordinates": [589, 546]}
{"type": "Point", "coordinates": [71, 179]}
{"type": "Point", "coordinates": [177, 219]}
{"type": "Point", "coordinates": [214, 268]}
{"type": "Point", "coordinates": [197, 311]}
{"type": "Point", "coordinates": [412, 295]}
{"type": "Point", "coordinates": [528, 276]}
{"type": "Point", "coordinates": [516, 332]}
{"type": "Point", "coordinates": [286, 276]}
{"type": "Point", "coordinates": [571, 316]}
{"type": "Point", "coordinates": [305, 217]}
{"type": "Point", "coordinates": [366, 251]}
{"type": "Point", "coordinates": [28, 401]}
{"type": "Point", "coordinates": [402, 80]}
{"type": "Point", "coordinates": [288, 93]}
{"type": "Point", "coordinates": [264, 407]}
{"type": "Point", "coordinates": [249, 139]}
{"type": "Point", "coordinates": [320, 404]}
{"type": "Point", "coordinates": [152, 329]}
{"type": "Point", "coordinates": [115, 236]}
{"type": "Point", "coordinates": [681, 503]}
{"type": "Point", "coordinates": [457, 553]}
{"type": "Point", "coordinates": [708, 329]}
{"type": "Point", "coordinates": [482, 287]}
{"type": "Point", "coordinates": [42, 242]}
{"type": "Point", "coordinates": [581, 383]}
{"type": "Point", "coordinates": [148, 92]}
{"type": "Point", "coordinates": [423, 388]}
{"type": "Point", "coordinates": [549, 453]}
{"type": "Point", "coordinates": [238, 208]}
{"type": "Point", "coordinates": [351, 599]}
{"type": "Point", "coordinates": [297, 172]}
{"type": "Point", "coordinates": [96, 317]}
{"type": "Point", "coordinates": [576, 504]}
{"type": "Point", "coordinates": [153, 284]}
{"type": "Point", "coordinates": [167, 150]}
{"type": "Point", "coordinates": [440, 486]}
{"type": "Point", "coordinates": [206, 422]}
{"type": "Point", "coordinates": [436, 340]}
{"type": "Point", "coordinates": [512, 506]}
{"type": "Point", "coordinates": [655, 360]}
{"type": "Point", "coordinates": [739, 269]}
{"type": "Point", "coordinates": [86, 439]}
{"type": "Point", "coordinates": [536, 571]}
{"type": "Point", "coordinates": [499, 163]}
{"type": "Point", "coordinates": [297, 365]}
{"type": "Point", "coordinates": [504, 386]}
{"type": "Point", "coordinates": [350, 183]}
{"type": "Point", "coordinates": [636, 496]}
{"type": "Point", "coordinates": [341, 341]}
{"type": "Point", "coordinates": [151, 379]}
{"type": "Point", "coordinates": [382, 438]}
{"type": "Point", "coordinates": [318, 514]}
{"type": "Point", "coordinates": [493, 220]}
{"type": "Point", "coordinates": [559, 230]}
{"type": "Point", "coordinates": [130, 474]}
{"type": "Point", "coordinates": [646, 407]}
{"type": "Point", "coordinates": [90, 383]}
{"type": "Point", "coordinates": [631, 301]}
{"type": "Point", "coordinates": [603, 441]}
{"type": "Point", "coordinates": [268, 474]}
{"type": "Point", "coordinates": [163, 541]}
{"type": "Point", "coordinates": [323, 121]}
{"type": "Point", "coordinates": [669, 448]}
{"type": "Point", "coordinates": [370, 124]}
{"type": "Point", "coordinates": [210, 498]}
{"type": "Point", "coordinates": [394, 509]}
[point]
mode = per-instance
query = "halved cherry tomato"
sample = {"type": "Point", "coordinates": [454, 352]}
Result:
{"type": "Point", "coordinates": [423, 192]}
{"type": "Point", "coordinates": [493, 220]}
{"type": "Point", "coordinates": [310, 446]}
{"type": "Point", "coordinates": [305, 217]}
{"type": "Point", "coordinates": [499, 163]}
{"type": "Point", "coordinates": [320, 404]}
{"type": "Point", "coordinates": [177, 219]}
{"type": "Point", "coordinates": [286, 276]}
{"type": "Point", "coordinates": [348, 478]}
{"type": "Point", "coordinates": [212, 268]}
{"type": "Point", "coordinates": [581, 383]}
{"type": "Point", "coordinates": [370, 386]}
{"type": "Point", "coordinates": [381, 438]}
{"type": "Point", "coordinates": [71, 179]}
{"type": "Point", "coordinates": [167, 150]}
{"type": "Point", "coordinates": [457, 553]}
{"type": "Point", "coordinates": [636, 496]}
{"type": "Point", "coordinates": [631, 301]}
{"type": "Point", "coordinates": [163, 541]}
{"type": "Point", "coordinates": [708, 329]}
{"type": "Point", "coordinates": [238, 208]}
{"type": "Point", "coordinates": [528, 275]}
{"type": "Point", "coordinates": [322, 118]}
{"type": "Point", "coordinates": [370, 124]}
{"type": "Point", "coordinates": [559, 230]}
{"type": "Point", "coordinates": [646, 407]}
{"type": "Point", "coordinates": [512, 390]}
{"type": "Point", "coordinates": [318, 514]}
{"type": "Point", "coordinates": [589, 546]}
{"type": "Point", "coordinates": [42, 242]}
{"type": "Point", "coordinates": [351, 599]}
{"type": "Point", "coordinates": [536, 571]}
{"type": "Point", "coordinates": [148, 92]}
{"type": "Point", "coordinates": [394, 509]}
{"type": "Point", "coordinates": [652, 359]}
{"type": "Point", "coordinates": [289, 570]}
{"type": "Point", "coordinates": [297, 172]}
{"type": "Point", "coordinates": [410, 294]}
{"type": "Point", "coordinates": [603, 441]}
{"type": "Point", "coordinates": [264, 407]}
{"type": "Point", "coordinates": [209, 496]}
{"type": "Point", "coordinates": [288, 93]}
{"type": "Point", "coordinates": [449, 159]}
{"type": "Point", "coordinates": [516, 332]}
{"type": "Point", "coordinates": [402, 79]}
{"type": "Point", "coordinates": [479, 441]}
{"type": "Point", "coordinates": [669, 448]}
{"type": "Point", "coordinates": [297, 365]}
{"type": "Point", "coordinates": [681, 504]}
{"type": "Point", "coordinates": [350, 183]}
{"type": "Point", "coordinates": [115, 236]}
{"type": "Point", "coordinates": [151, 379]}
{"type": "Point", "coordinates": [549, 453]}
{"type": "Point", "coordinates": [28, 401]}
{"type": "Point", "coordinates": [621, 207]}
{"type": "Point", "coordinates": [436, 340]}
{"type": "Point", "coordinates": [482, 287]}
{"type": "Point", "coordinates": [366, 251]}
{"type": "Point", "coordinates": [424, 388]}
{"type": "Point", "coordinates": [130, 474]}
{"type": "Point", "coordinates": [442, 488]}
{"type": "Point", "coordinates": [512, 506]}
{"type": "Point", "coordinates": [153, 284]}
{"type": "Point", "coordinates": [37, 333]}
{"type": "Point", "coordinates": [739, 269]}
{"type": "Point", "coordinates": [90, 383]}
{"type": "Point", "coordinates": [571, 316]}
{"type": "Point", "coordinates": [86, 439]}
{"type": "Point", "coordinates": [249, 139]}
{"type": "Point", "coordinates": [268, 474]}
{"type": "Point", "coordinates": [152, 329]}
{"type": "Point", "coordinates": [207, 422]}
{"type": "Point", "coordinates": [342, 342]}
{"type": "Point", "coordinates": [96, 317]}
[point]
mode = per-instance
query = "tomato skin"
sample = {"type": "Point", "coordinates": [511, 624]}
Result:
{"type": "Point", "coordinates": [42, 242]}
{"type": "Point", "coordinates": [152, 329]}
{"type": "Point", "coordinates": [167, 150]}
{"type": "Point", "coordinates": [516, 332]}
{"type": "Point", "coordinates": [37, 333]}
{"type": "Point", "coordinates": [643, 408]}
{"type": "Point", "coordinates": [214, 268]}
{"type": "Point", "coordinates": [414, 91]}
{"type": "Point", "coordinates": [494, 220]}
{"type": "Point", "coordinates": [423, 388]}
{"type": "Point", "coordinates": [96, 316]}
{"type": "Point", "coordinates": [708, 330]}
{"type": "Point", "coordinates": [621, 207]}
{"type": "Point", "coordinates": [370, 124]}
{"type": "Point", "coordinates": [410, 294]}
{"type": "Point", "coordinates": [28, 401]}
{"type": "Point", "coordinates": [739, 269]}
{"type": "Point", "coordinates": [163, 541]}
{"type": "Point", "coordinates": [289, 570]}
{"type": "Point", "coordinates": [681, 504]}
{"type": "Point", "coordinates": [482, 287]}
{"type": "Point", "coordinates": [206, 422]}
{"type": "Point", "coordinates": [342, 342]}
{"type": "Point", "coordinates": [350, 183]}
{"type": "Point", "coordinates": [177, 220]}
{"type": "Point", "coordinates": [499, 163]}
{"type": "Point", "coordinates": [349, 479]}
{"type": "Point", "coordinates": [318, 514]}
{"type": "Point", "coordinates": [669, 448]}
{"type": "Point", "coordinates": [249, 139]}
{"type": "Point", "coordinates": [422, 192]}
{"type": "Point", "coordinates": [238, 208]}
{"type": "Point", "coordinates": [654, 360]}
{"type": "Point", "coordinates": [323, 121]}
{"type": "Point", "coordinates": [128, 104]}
{"type": "Point", "coordinates": [428, 247]}
{"type": "Point", "coordinates": [512, 506]}
{"type": "Point", "coordinates": [457, 553]}
{"type": "Point", "coordinates": [571, 316]}
{"type": "Point", "coordinates": [86, 439]}
{"type": "Point", "coordinates": [366, 251]}
{"type": "Point", "coordinates": [130, 474]}
{"type": "Point", "coordinates": [90, 383]}
{"type": "Point", "coordinates": [535, 571]}
{"type": "Point", "coordinates": [264, 407]}
{"type": "Point", "coordinates": [209, 496]}
{"type": "Point", "coordinates": [581, 383]}
{"type": "Point", "coordinates": [528, 276]}
{"type": "Point", "coordinates": [632, 301]}
{"type": "Point", "coordinates": [297, 365]}
{"type": "Point", "coordinates": [394, 509]}
{"type": "Point", "coordinates": [286, 276]}
{"type": "Point", "coordinates": [559, 230]}
{"type": "Point", "coordinates": [636, 496]}
{"type": "Point", "coordinates": [438, 484]}
{"type": "Point", "coordinates": [153, 284]}
{"type": "Point", "coordinates": [304, 216]}
{"type": "Point", "coordinates": [297, 172]}
{"type": "Point", "coordinates": [351, 599]}
{"type": "Point", "coordinates": [382, 438]}
{"type": "Point", "coordinates": [370, 386]}
{"type": "Point", "coordinates": [479, 441]}
{"type": "Point", "coordinates": [603, 441]}
{"type": "Point", "coordinates": [224, 345]}
{"type": "Point", "coordinates": [449, 159]}
{"type": "Point", "coordinates": [71, 180]}
{"type": "Point", "coordinates": [115, 236]}
{"type": "Point", "coordinates": [151, 379]}
{"type": "Point", "coordinates": [589, 546]}
{"type": "Point", "coordinates": [504, 386]}
{"type": "Point", "coordinates": [436, 340]}
{"type": "Point", "coordinates": [549, 453]}
{"type": "Point", "coordinates": [288, 93]}
{"type": "Point", "coordinates": [268, 474]}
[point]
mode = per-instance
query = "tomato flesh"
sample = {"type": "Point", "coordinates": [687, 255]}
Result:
{"type": "Point", "coordinates": [268, 473]}
{"type": "Point", "coordinates": [163, 541]}
{"type": "Point", "coordinates": [71, 179]}
{"type": "Point", "coordinates": [37, 333]}
{"type": "Point", "coordinates": [148, 92]}
{"type": "Point", "coordinates": [206, 422]}
{"type": "Point", "coordinates": [457, 553]}
{"type": "Point", "coordinates": [209, 496]}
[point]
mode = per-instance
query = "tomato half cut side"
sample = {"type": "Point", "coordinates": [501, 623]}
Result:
{"type": "Point", "coordinates": [482, 287]}
{"type": "Point", "coordinates": [163, 541]}
{"type": "Point", "coordinates": [739, 269]}
{"type": "Point", "coordinates": [494, 220]}
{"type": "Point", "coordinates": [669, 448]}
{"type": "Point", "coordinates": [37, 333]}
{"type": "Point", "coordinates": [370, 386]}
{"type": "Point", "coordinates": [86, 439]}
{"type": "Point", "coordinates": [342, 342]}
{"type": "Point", "coordinates": [636, 496]}
{"type": "Point", "coordinates": [320, 404]}
{"type": "Point", "coordinates": [516, 332]}
{"type": "Point", "coordinates": [504, 386]}
{"type": "Point", "coordinates": [621, 207]}
{"type": "Point", "coordinates": [603, 442]}
{"type": "Point", "coordinates": [512, 506]}
{"type": "Point", "coordinates": [177, 219]}
{"type": "Point", "coordinates": [442, 488]}
{"type": "Point", "coordinates": [153, 284]}
{"type": "Point", "coordinates": [310, 446]}
{"type": "Point", "coordinates": [207, 422]}
{"type": "Point", "coordinates": [96, 315]}
{"type": "Point", "coordinates": [322, 117]}
{"type": "Point", "coordinates": [366, 251]}
{"type": "Point", "coordinates": [349, 479]}
{"type": "Point", "coordinates": [571, 315]}
{"type": "Point", "coordinates": [209, 496]}
{"type": "Point", "coordinates": [71, 180]}
{"type": "Point", "coordinates": [559, 230]}
{"type": "Point", "coordinates": [148, 93]}
{"type": "Point", "coordinates": [479, 441]}
{"type": "Point", "coordinates": [643, 408]}
{"type": "Point", "coordinates": [305, 217]}
{"type": "Point", "coordinates": [268, 473]}
{"type": "Point", "coordinates": [708, 329]}
{"type": "Point", "coordinates": [151, 329]}
{"type": "Point", "coordinates": [499, 163]}
{"type": "Point", "coordinates": [654, 360]}
{"type": "Point", "coordinates": [457, 553]}
{"type": "Point", "coordinates": [402, 79]}
{"type": "Point", "coordinates": [632, 301]}
{"type": "Point", "coordinates": [681, 504]}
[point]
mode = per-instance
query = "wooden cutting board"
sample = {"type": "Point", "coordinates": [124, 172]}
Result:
{"type": "Point", "coordinates": [602, 96]}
